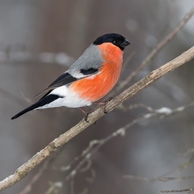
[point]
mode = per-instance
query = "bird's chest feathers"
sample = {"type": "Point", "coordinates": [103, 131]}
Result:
{"type": "Point", "coordinates": [111, 53]}
{"type": "Point", "coordinates": [113, 59]}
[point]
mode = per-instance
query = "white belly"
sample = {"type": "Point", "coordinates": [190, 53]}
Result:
{"type": "Point", "coordinates": [68, 99]}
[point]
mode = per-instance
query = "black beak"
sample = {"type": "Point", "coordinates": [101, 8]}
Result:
{"type": "Point", "coordinates": [126, 42]}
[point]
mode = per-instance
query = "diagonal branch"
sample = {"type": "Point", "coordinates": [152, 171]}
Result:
{"type": "Point", "coordinates": [56, 144]}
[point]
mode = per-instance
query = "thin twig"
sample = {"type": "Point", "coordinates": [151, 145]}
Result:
{"type": "Point", "coordinates": [160, 178]}
{"type": "Point", "coordinates": [156, 49]}
{"type": "Point", "coordinates": [44, 57]}
{"type": "Point", "coordinates": [178, 191]}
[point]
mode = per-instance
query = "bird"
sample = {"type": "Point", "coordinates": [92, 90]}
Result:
{"type": "Point", "coordinates": [88, 79]}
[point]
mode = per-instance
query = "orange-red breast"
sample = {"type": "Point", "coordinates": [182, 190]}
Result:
{"type": "Point", "coordinates": [89, 78]}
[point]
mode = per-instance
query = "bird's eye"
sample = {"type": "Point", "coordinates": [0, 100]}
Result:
{"type": "Point", "coordinates": [114, 42]}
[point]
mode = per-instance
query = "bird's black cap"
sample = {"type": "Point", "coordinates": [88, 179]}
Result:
{"type": "Point", "coordinates": [113, 38]}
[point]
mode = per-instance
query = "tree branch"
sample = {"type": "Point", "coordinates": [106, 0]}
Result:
{"type": "Point", "coordinates": [27, 167]}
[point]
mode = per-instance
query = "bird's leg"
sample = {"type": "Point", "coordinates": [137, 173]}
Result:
{"type": "Point", "coordinates": [103, 103]}
{"type": "Point", "coordinates": [86, 114]}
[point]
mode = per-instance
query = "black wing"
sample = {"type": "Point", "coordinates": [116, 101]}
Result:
{"type": "Point", "coordinates": [64, 79]}
{"type": "Point", "coordinates": [67, 78]}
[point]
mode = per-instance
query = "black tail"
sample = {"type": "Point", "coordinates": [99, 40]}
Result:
{"type": "Point", "coordinates": [32, 107]}
{"type": "Point", "coordinates": [43, 101]}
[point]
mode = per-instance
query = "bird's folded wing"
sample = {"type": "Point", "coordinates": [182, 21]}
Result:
{"type": "Point", "coordinates": [67, 78]}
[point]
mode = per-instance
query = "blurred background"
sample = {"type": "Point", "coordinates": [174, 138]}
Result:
{"type": "Point", "coordinates": [39, 40]}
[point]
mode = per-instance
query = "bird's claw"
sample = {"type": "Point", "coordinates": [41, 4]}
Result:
{"type": "Point", "coordinates": [86, 117]}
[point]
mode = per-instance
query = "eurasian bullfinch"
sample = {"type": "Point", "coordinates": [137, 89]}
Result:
{"type": "Point", "coordinates": [89, 78]}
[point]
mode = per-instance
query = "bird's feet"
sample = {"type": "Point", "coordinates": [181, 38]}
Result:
{"type": "Point", "coordinates": [86, 114]}
{"type": "Point", "coordinates": [103, 103]}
